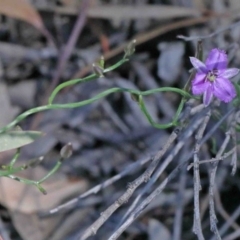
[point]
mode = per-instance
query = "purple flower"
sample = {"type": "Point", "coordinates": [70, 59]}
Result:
{"type": "Point", "coordinates": [212, 78]}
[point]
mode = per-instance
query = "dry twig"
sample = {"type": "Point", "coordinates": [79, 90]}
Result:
{"type": "Point", "coordinates": [131, 188]}
{"type": "Point", "coordinates": [197, 228]}
{"type": "Point", "coordinates": [213, 218]}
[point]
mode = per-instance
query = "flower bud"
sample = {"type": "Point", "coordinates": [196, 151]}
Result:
{"type": "Point", "coordinates": [135, 97]}
{"type": "Point", "coordinates": [98, 70]}
{"type": "Point", "coordinates": [66, 151]}
{"type": "Point", "coordinates": [35, 162]}
{"type": "Point", "coordinates": [130, 49]}
{"type": "Point", "coordinates": [102, 62]}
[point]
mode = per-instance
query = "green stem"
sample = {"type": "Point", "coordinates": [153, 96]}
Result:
{"type": "Point", "coordinates": [5, 173]}
{"type": "Point", "coordinates": [29, 182]}
{"type": "Point", "coordinates": [149, 118]}
{"type": "Point", "coordinates": [69, 83]}
{"type": "Point", "coordinates": [13, 161]}
{"type": "Point", "coordinates": [22, 180]}
{"type": "Point", "coordinates": [91, 100]}
{"type": "Point", "coordinates": [9, 173]}
{"type": "Point", "coordinates": [23, 116]}
{"type": "Point", "coordinates": [179, 110]}
{"type": "Point", "coordinates": [82, 80]}
{"type": "Point", "coordinates": [56, 167]}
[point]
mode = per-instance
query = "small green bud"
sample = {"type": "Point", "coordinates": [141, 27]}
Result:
{"type": "Point", "coordinates": [98, 70]}
{"type": "Point", "coordinates": [4, 167]}
{"type": "Point", "coordinates": [35, 162]}
{"type": "Point", "coordinates": [17, 128]}
{"type": "Point", "coordinates": [130, 49]}
{"type": "Point", "coordinates": [135, 97]}
{"type": "Point", "coordinates": [102, 62]}
{"type": "Point", "coordinates": [66, 151]}
{"type": "Point", "coordinates": [41, 189]}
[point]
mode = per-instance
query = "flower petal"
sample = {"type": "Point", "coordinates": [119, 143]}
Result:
{"type": "Point", "coordinates": [198, 65]}
{"type": "Point", "coordinates": [217, 59]}
{"type": "Point", "coordinates": [199, 84]}
{"type": "Point", "coordinates": [228, 73]}
{"type": "Point", "coordinates": [224, 89]}
{"type": "Point", "coordinates": [207, 96]}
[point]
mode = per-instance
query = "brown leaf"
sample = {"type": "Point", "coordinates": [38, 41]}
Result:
{"type": "Point", "coordinates": [31, 226]}
{"type": "Point", "coordinates": [22, 10]}
{"type": "Point", "coordinates": [58, 188]}
{"type": "Point", "coordinates": [25, 202]}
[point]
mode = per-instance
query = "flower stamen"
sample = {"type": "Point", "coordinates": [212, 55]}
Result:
{"type": "Point", "coordinates": [211, 76]}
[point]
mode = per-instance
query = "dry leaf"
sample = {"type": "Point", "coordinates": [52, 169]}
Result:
{"type": "Point", "coordinates": [25, 202]}
{"type": "Point", "coordinates": [74, 220]}
{"type": "Point", "coordinates": [22, 10]}
{"type": "Point", "coordinates": [56, 227]}
{"type": "Point", "coordinates": [30, 226]}
{"type": "Point", "coordinates": [14, 197]}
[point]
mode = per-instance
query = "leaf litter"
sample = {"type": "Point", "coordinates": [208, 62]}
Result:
{"type": "Point", "coordinates": [112, 134]}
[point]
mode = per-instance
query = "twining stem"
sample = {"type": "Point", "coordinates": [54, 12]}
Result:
{"type": "Point", "coordinates": [14, 159]}
{"type": "Point", "coordinates": [9, 173]}
{"type": "Point", "coordinates": [93, 99]}
{"type": "Point", "coordinates": [82, 80]}
{"type": "Point", "coordinates": [55, 168]}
